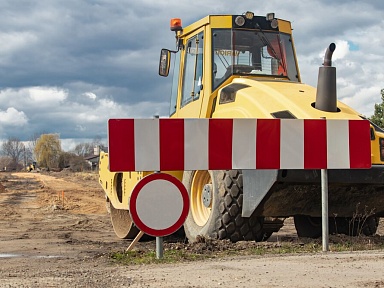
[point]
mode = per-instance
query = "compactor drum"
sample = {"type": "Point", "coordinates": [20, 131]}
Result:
{"type": "Point", "coordinates": [245, 66]}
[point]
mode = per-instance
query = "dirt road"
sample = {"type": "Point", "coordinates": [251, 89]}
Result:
{"type": "Point", "coordinates": [45, 242]}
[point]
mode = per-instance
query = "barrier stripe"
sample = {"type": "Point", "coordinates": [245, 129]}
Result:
{"type": "Point", "coordinates": [338, 144]}
{"type": "Point", "coordinates": [315, 144]}
{"type": "Point", "coordinates": [171, 145]}
{"type": "Point", "coordinates": [359, 131]}
{"type": "Point", "coordinates": [268, 144]}
{"type": "Point", "coordinates": [218, 144]}
{"type": "Point", "coordinates": [196, 143]}
{"type": "Point", "coordinates": [122, 148]}
{"type": "Point", "coordinates": [147, 156]}
{"type": "Point", "coordinates": [243, 144]}
{"type": "Point", "coordinates": [292, 156]}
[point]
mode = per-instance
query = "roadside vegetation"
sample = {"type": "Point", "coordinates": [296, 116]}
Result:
{"type": "Point", "coordinates": [44, 152]}
{"type": "Point", "coordinates": [205, 249]}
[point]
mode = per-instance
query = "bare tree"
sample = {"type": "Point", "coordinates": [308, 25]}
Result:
{"type": "Point", "coordinates": [15, 149]}
{"type": "Point", "coordinates": [87, 149]}
{"type": "Point", "coordinates": [32, 144]}
{"type": "Point", "coordinates": [97, 143]}
{"type": "Point", "coordinates": [5, 162]}
{"type": "Point", "coordinates": [84, 149]}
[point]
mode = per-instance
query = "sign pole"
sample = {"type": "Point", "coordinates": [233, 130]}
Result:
{"type": "Point", "coordinates": [159, 247]}
{"type": "Point", "coordinates": [159, 240]}
{"type": "Point", "coordinates": [324, 208]}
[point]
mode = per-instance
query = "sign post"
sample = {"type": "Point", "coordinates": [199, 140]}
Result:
{"type": "Point", "coordinates": [159, 205]}
{"type": "Point", "coordinates": [324, 210]}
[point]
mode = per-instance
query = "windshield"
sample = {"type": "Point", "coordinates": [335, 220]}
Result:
{"type": "Point", "coordinates": [251, 52]}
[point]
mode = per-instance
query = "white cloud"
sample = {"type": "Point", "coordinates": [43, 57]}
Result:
{"type": "Point", "coordinates": [12, 117]}
{"type": "Point", "coordinates": [342, 50]}
{"type": "Point", "coordinates": [47, 95]}
{"type": "Point", "coordinates": [90, 95]}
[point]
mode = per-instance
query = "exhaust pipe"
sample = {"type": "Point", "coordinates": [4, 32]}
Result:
{"type": "Point", "coordinates": [326, 97]}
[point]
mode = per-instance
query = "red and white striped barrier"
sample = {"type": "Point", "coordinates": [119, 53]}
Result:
{"type": "Point", "coordinates": [220, 144]}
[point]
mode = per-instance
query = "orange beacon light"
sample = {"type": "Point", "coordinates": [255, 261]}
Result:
{"type": "Point", "coordinates": [176, 24]}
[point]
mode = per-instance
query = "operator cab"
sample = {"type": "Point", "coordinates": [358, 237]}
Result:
{"type": "Point", "coordinates": [218, 48]}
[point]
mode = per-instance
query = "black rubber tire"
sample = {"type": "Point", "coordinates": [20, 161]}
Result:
{"type": "Point", "coordinates": [356, 227]}
{"type": "Point", "coordinates": [370, 226]}
{"type": "Point", "coordinates": [225, 220]}
{"type": "Point", "coordinates": [233, 225]}
{"type": "Point", "coordinates": [307, 226]}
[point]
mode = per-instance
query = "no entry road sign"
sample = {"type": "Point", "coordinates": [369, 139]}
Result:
{"type": "Point", "coordinates": [159, 204]}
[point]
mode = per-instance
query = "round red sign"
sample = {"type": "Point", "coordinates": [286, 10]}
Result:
{"type": "Point", "coordinates": [159, 204]}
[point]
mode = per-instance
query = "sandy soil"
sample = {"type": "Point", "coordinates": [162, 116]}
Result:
{"type": "Point", "coordinates": [45, 242]}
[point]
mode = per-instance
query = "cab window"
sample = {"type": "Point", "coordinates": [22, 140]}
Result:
{"type": "Point", "coordinates": [251, 53]}
{"type": "Point", "coordinates": [175, 85]}
{"type": "Point", "coordinates": [193, 69]}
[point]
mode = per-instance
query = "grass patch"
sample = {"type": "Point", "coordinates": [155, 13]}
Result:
{"type": "Point", "coordinates": [149, 257]}
{"type": "Point", "coordinates": [177, 252]}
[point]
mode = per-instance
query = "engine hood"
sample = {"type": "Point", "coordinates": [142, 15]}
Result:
{"type": "Point", "coordinates": [252, 98]}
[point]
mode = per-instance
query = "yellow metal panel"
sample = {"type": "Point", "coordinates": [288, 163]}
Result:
{"type": "Point", "coordinates": [215, 21]}
{"type": "Point", "coordinates": [375, 148]}
{"type": "Point", "coordinates": [221, 21]}
{"type": "Point", "coordinates": [296, 60]}
{"type": "Point", "coordinates": [194, 26]}
{"type": "Point", "coordinates": [285, 26]}
{"type": "Point", "coordinates": [264, 97]}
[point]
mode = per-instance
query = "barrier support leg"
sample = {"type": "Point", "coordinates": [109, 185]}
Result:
{"type": "Point", "coordinates": [137, 238]}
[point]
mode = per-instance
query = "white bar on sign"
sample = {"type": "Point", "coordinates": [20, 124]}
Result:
{"type": "Point", "coordinates": [196, 144]}
{"type": "Point", "coordinates": [338, 144]}
{"type": "Point", "coordinates": [244, 144]}
{"type": "Point", "coordinates": [159, 214]}
{"type": "Point", "coordinates": [147, 146]}
{"type": "Point", "coordinates": [292, 144]}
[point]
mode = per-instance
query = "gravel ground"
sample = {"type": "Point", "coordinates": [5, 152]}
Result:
{"type": "Point", "coordinates": [46, 242]}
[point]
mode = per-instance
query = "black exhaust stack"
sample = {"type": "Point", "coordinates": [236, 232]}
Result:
{"type": "Point", "coordinates": [326, 98]}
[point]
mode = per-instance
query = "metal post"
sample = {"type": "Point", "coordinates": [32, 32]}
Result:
{"type": "Point", "coordinates": [159, 247]}
{"type": "Point", "coordinates": [159, 240]}
{"type": "Point", "coordinates": [324, 209]}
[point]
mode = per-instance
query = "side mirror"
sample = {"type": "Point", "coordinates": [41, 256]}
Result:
{"type": "Point", "coordinates": [165, 62]}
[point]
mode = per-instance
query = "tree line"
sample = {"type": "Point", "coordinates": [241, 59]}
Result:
{"type": "Point", "coordinates": [378, 115]}
{"type": "Point", "coordinates": [45, 151]}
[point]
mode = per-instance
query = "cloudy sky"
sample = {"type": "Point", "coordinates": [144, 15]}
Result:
{"type": "Point", "coordinates": [68, 66]}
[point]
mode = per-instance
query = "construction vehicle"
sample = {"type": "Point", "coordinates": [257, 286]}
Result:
{"type": "Point", "coordinates": [245, 66]}
{"type": "Point", "coordinates": [31, 167]}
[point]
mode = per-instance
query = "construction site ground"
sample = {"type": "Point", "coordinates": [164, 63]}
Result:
{"type": "Point", "coordinates": [47, 240]}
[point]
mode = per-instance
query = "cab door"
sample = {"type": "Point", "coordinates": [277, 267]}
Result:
{"type": "Point", "coordinates": [192, 81]}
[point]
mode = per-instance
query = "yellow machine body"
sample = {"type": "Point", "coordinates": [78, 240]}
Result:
{"type": "Point", "coordinates": [230, 45]}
